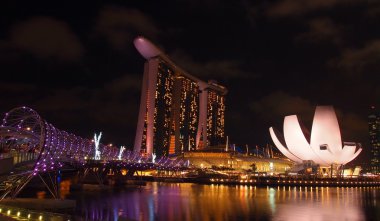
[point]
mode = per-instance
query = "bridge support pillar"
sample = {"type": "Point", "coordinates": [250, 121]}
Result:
{"type": "Point", "coordinates": [51, 182]}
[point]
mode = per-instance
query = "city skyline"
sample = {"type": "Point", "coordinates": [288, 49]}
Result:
{"type": "Point", "coordinates": [76, 64]}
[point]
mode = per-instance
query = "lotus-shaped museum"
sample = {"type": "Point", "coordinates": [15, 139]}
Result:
{"type": "Point", "coordinates": [323, 145]}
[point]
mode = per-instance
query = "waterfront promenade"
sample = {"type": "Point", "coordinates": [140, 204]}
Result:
{"type": "Point", "coordinates": [19, 212]}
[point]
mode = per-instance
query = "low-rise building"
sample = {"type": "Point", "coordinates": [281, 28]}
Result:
{"type": "Point", "coordinates": [233, 160]}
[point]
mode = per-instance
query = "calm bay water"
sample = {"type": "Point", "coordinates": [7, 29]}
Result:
{"type": "Point", "coordinates": [170, 201]}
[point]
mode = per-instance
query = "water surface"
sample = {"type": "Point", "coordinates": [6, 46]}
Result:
{"type": "Point", "coordinates": [170, 201]}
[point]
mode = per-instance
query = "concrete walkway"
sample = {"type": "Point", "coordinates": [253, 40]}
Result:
{"type": "Point", "coordinates": [40, 204]}
{"type": "Point", "coordinates": [18, 210]}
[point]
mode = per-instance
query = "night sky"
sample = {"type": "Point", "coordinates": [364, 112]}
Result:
{"type": "Point", "coordinates": [76, 65]}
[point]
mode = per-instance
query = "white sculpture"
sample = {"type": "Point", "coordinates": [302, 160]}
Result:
{"type": "Point", "coordinates": [122, 148]}
{"type": "Point", "coordinates": [153, 157]}
{"type": "Point", "coordinates": [97, 141]}
{"type": "Point", "coordinates": [323, 145]}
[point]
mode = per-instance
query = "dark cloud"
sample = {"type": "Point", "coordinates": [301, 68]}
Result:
{"type": "Point", "coordinates": [46, 37]}
{"type": "Point", "coordinates": [219, 69]}
{"type": "Point", "coordinates": [62, 100]}
{"type": "Point", "coordinates": [121, 25]}
{"type": "Point", "coordinates": [323, 30]}
{"type": "Point", "coordinates": [354, 127]}
{"type": "Point", "coordinates": [300, 7]}
{"type": "Point", "coordinates": [8, 52]}
{"type": "Point", "coordinates": [16, 88]}
{"type": "Point", "coordinates": [359, 60]}
{"type": "Point", "coordinates": [100, 100]}
{"type": "Point", "coordinates": [14, 94]}
{"type": "Point", "coordinates": [252, 12]}
{"type": "Point", "coordinates": [373, 10]}
{"type": "Point", "coordinates": [281, 104]}
{"type": "Point", "coordinates": [124, 83]}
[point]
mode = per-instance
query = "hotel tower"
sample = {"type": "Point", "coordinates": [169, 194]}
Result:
{"type": "Point", "coordinates": [178, 112]}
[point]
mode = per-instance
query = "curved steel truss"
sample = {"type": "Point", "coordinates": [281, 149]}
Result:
{"type": "Point", "coordinates": [24, 131]}
{"type": "Point", "coordinates": [42, 148]}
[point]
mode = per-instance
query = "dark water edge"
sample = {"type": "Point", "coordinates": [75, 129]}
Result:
{"type": "Point", "coordinates": [185, 201]}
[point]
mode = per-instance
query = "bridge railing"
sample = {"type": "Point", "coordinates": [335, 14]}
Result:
{"type": "Point", "coordinates": [9, 161]}
{"type": "Point", "coordinates": [19, 157]}
{"type": "Point", "coordinates": [24, 157]}
{"type": "Point", "coordinates": [5, 155]}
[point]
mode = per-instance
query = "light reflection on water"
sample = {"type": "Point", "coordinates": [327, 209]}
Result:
{"type": "Point", "coordinates": [168, 201]}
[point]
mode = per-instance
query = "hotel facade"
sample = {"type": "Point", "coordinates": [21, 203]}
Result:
{"type": "Point", "coordinates": [178, 112]}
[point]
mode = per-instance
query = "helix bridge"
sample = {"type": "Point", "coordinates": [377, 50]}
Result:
{"type": "Point", "coordinates": [39, 149]}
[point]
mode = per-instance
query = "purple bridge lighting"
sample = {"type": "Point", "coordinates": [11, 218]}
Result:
{"type": "Point", "coordinates": [39, 149]}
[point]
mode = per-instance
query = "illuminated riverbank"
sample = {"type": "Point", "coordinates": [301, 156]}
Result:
{"type": "Point", "coordinates": [297, 182]}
